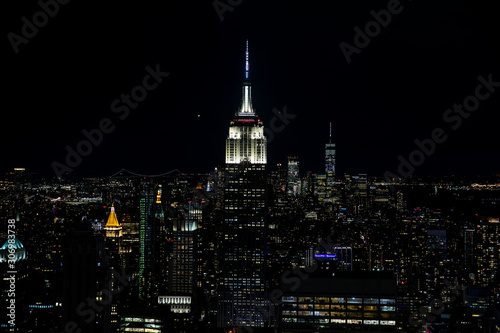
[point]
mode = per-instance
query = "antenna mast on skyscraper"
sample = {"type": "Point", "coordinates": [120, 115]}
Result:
{"type": "Point", "coordinates": [330, 132]}
{"type": "Point", "coordinates": [247, 66]}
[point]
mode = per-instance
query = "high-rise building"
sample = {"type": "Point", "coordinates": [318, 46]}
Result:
{"type": "Point", "coordinates": [293, 177]}
{"type": "Point", "coordinates": [330, 166]}
{"type": "Point", "coordinates": [146, 201]}
{"type": "Point", "coordinates": [185, 228]}
{"type": "Point", "coordinates": [184, 266]}
{"type": "Point", "coordinates": [320, 186]}
{"type": "Point", "coordinates": [19, 179]}
{"type": "Point", "coordinates": [114, 248]}
{"type": "Point", "coordinates": [400, 203]}
{"type": "Point", "coordinates": [162, 232]}
{"type": "Point", "coordinates": [129, 220]}
{"type": "Point", "coordinates": [85, 276]}
{"type": "Point", "coordinates": [342, 302]}
{"type": "Point", "coordinates": [436, 261]}
{"type": "Point", "coordinates": [114, 241]}
{"type": "Point", "coordinates": [114, 237]}
{"type": "Point", "coordinates": [487, 255]}
{"type": "Point", "coordinates": [357, 192]}
{"type": "Point", "coordinates": [468, 255]}
{"type": "Point", "coordinates": [242, 299]}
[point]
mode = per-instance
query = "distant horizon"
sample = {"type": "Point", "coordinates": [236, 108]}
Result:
{"type": "Point", "coordinates": [131, 173]}
{"type": "Point", "coordinates": [397, 89]}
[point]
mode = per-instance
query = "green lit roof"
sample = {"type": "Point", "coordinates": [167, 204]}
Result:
{"type": "Point", "coordinates": [17, 244]}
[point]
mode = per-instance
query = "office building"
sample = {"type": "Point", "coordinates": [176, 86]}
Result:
{"type": "Point", "coordinates": [340, 302]}
{"type": "Point", "coordinates": [330, 167]}
{"type": "Point", "coordinates": [146, 200]}
{"type": "Point", "coordinates": [242, 298]}
{"type": "Point", "coordinates": [293, 176]}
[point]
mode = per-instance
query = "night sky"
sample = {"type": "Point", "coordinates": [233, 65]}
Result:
{"type": "Point", "coordinates": [395, 90]}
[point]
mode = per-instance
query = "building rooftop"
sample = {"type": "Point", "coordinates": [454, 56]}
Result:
{"type": "Point", "coordinates": [348, 283]}
{"type": "Point", "coordinates": [112, 219]}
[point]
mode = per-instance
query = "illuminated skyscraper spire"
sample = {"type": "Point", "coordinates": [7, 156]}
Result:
{"type": "Point", "coordinates": [330, 132]}
{"type": "Point", "coordinates": [247, 66]}
{"type": "Point", "coordinates": [246, 104]}
{"type": "Point", "coordinates": [246, 140]}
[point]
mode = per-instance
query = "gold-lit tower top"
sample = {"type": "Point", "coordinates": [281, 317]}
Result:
{"type": "Point", "coordinates": [112, 219]}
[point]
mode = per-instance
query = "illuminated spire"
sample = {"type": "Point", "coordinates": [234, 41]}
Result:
{"type": "Point", "coordinates": [246, 103]}
{"type": "Point", "coordinates": [158, 197]}
{"type": "Point", "coordinates": [247, 66]}
{"type": "Point", "coordinates": [112, 219]}
{"type": "Point", "coordinates": [12, 250]}
{"type": "Point", "coordinates": [330, 132]}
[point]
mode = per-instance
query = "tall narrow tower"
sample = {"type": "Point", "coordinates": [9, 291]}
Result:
{"type": "Point", "coordinates": [242, 299]}
{"type": "Point", "coordinates": [330, 165]}
{"type": "Point", "coordinates": [293, 176]}
{"type": "Point", "coordinates": [246, 141]}
{"type": "Point", "coordinates": [114, 238]}
{"type": "Point", "coordinates": [146, 204]}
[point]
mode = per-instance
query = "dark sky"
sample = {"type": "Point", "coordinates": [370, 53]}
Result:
{"type": "Point", "coordinates": [396, 90]}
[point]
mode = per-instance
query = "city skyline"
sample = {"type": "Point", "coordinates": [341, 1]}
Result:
{"type": "Point", "coordinates": [394, 91]}
{"type": "Point", "coordinates": [237, 166]}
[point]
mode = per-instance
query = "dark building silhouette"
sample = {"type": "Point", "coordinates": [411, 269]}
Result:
{"type": "Point", "coordinates": [84, 277]}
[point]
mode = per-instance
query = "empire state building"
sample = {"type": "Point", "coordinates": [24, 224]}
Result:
{"type": "Point", "coordinates": [242, 299]}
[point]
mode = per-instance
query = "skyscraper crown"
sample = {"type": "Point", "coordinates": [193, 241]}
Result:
{"type": "Point", "coordinates": [246, 140]}
{"type": "Point", "coordinates": [112, 219]}
{"type": "Point", "coordinates": [246, 102]}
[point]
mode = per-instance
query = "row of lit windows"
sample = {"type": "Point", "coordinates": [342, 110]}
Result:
{"type": "Point", "coordinates": [339, 314]}
{"type": "Point", "coordinates": [342, 321]}
{"type": "Point", "coordinates": [338, 300]}
{"type": "Point", "coordinates": [340, 307]}
{"type": "Point", "coordinates": [140, 320]}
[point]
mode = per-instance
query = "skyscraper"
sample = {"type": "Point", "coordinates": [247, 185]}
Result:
{"type": "Point", "coordinates": [146, 201]}
{"type": "Point", "coordinates": [242, 299]}
{"type": "Point", "coordinates": [330, 165]}
{"type": "Point", "coordinates": [114, 248]}
{"type": "Point", "coordinates": [437, 263]}
{"type": "Point", "coordinates": [114, 235]}
{"type": "Point", "coordinates": [293, 178]}
{"type": "Point", "coordinates": [185, 230]}
{"type": "Point", "coordinates": [161, 245]}
{"type": "Point", "coordinates": [85, 275]}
